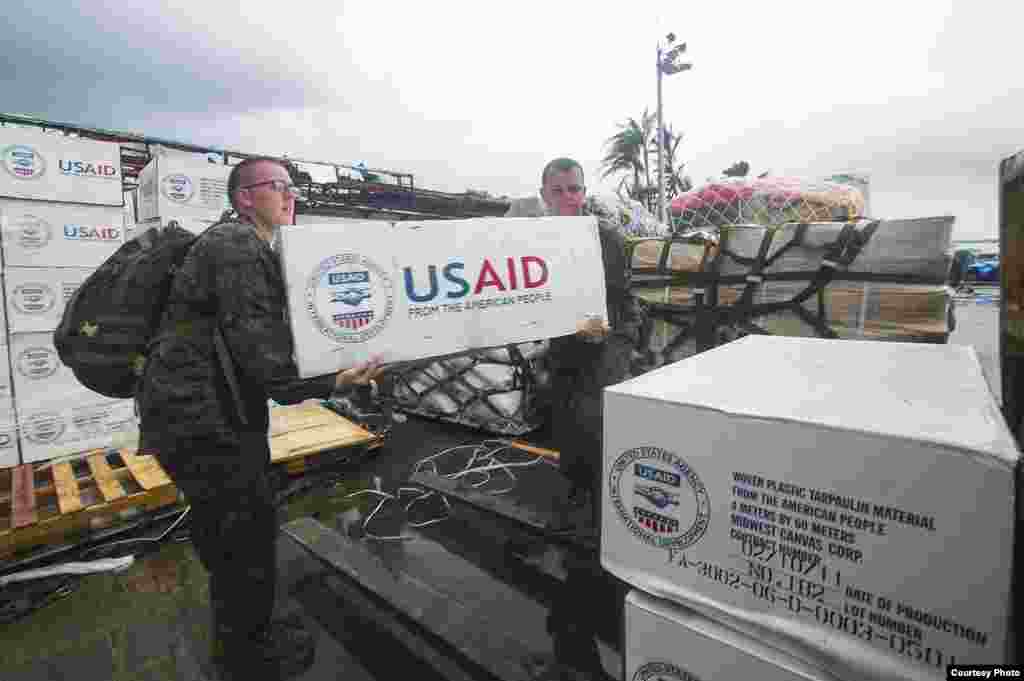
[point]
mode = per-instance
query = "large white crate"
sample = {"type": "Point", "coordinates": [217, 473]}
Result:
{"type": "Point", "coordinates": [666, 641]}
{"type": "Point", "coordinates": [36, 296]}
{"type": "Point", "coordinates": [42, 234]}
{"type": "Point", "coordinates": [51, 167]}
{"type": "Point", "coordinates": [72, 427]}
{"type": "Point", "coordinates": [185, 188]}
{"type": "Point", "coordinates": [39, 377]}
{"type": "Point", "coordinates": [855, 496]}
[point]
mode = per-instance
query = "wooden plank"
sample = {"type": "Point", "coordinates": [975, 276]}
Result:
{"type": "Point", "coordinates": [104, 478]}
{"type": "Point", "coordinates": [23, 497]}
{"type": "Point", "coordinates": [310, 428]}
{"type": "Point", "coordinates": [145, 469]}
{"type": "Point", "coordinates": [68, 499]}
{"type": "Point", "coordinates": [473, 621]}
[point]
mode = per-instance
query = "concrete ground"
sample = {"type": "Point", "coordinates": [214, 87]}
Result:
{"type": "Point", "coordinates": [977, 325]}
{"type": "Point", "coordinates": [151, 622]}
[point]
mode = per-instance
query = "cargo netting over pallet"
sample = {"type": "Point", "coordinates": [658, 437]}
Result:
{"type": "Point", "coordinates": [498, 390]}
{"type": "Point", "coordinates": [866, 279]}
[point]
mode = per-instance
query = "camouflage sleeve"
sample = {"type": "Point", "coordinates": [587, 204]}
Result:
{"type": "Point", "coordinates": [624, 310]}
{"type": "Point", "coordinates": [251, 302]}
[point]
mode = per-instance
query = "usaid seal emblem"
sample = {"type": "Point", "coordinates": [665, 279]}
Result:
{"type": "Point", "coordinates": [33, 298]}
{"type": "Point", "coordinates": [37, 363]}
{"type": "Point", "coordinates": [659, 497]}
{"type": "Point", "coordinates": [662, 671]}
{"type": "Point", "coordinates": [23, 162]}
{"type": "Point", "coordinates": [178, 188]}
{"type": "Point", "coordinates": [44, 428]}
{"type": "Point", "coordinates": [350, 298]}
{"type": "Point", "coordinates": [32, 233]}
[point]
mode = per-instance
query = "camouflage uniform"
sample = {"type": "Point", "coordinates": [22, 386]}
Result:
{"type": "Point", "coordinates": [580, 370]}
{"type": "Point", "coordinates": [189, 419]}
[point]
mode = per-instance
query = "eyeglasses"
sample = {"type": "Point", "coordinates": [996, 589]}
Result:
{"type": "Point", "coordinates": [279, 186]}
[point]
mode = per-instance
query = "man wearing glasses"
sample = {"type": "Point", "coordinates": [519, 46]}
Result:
{"type": "Point", "coordinates": [204, 414]}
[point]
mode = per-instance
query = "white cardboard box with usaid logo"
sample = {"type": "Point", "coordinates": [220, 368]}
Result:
{"type": "Point", "coordinates": [426, 289]}
{"type": "Point", "coordinates": [854, 497]}
{"type": "Point", "coordinates": [37, 234]}
{"type": "Point", "coordinates": [6, 382]}
{"type": "Point", "coordinates": [183, 187]}
{"type": "Point", "coordinates": [10, 449]}
{"type": "Point", "coordinates": [667, 642]}
{"type": "Point", "coordinates": [36, 296]}
{"type": "Point", "coordinates": [49, 167]}
{"type": "Point", "coordinates": [39, 377]}
{"type": "Point", "coordinates": [61, 429]}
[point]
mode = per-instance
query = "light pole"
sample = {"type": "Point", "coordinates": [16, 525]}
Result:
{"type": "Point", "coordinates": [667, 66]}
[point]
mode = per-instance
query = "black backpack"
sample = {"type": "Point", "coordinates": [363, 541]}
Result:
{"type": "Point", "coordinates": [108, 324]}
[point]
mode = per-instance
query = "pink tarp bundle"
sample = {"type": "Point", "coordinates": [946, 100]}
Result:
{"type": "Point", "coordinates": [766, 201]}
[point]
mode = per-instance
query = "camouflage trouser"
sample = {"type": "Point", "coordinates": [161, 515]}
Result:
{"type": "Point", "coordinates": [578, 418]}
{"type": "Point", "coordinates": [234, 530]}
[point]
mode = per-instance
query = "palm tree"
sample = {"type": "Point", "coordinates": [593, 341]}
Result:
{"type": "Point", "coordinates": [633, 150]}
{"type": "Point", "coordinates": [629, 151]}
{"type": "Point", "coordinates": [676, 181]}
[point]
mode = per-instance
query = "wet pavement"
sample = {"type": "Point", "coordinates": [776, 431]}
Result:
{"type": "Point", "coordinates": [977, 325]}
{"type": "Point", "coordinates": [152, 621]}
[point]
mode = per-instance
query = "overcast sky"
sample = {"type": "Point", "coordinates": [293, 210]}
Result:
{"type": "Point", "coordinates": [924, 96]}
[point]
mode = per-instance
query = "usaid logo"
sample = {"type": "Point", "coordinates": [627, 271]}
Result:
{"type": "Point", "coordinates": [646, 477]}
{"type": "Point", "coordinates": [349, 298]}
{"type": "Point", "coordinates": [33, 298]}
{"type": "Point", "coordinates": [87, 233]}
{"type": "Point", "coordinates": [23, 162]}
{"type": "Point", "coordinates": [44, 428]}
{"type": "Point", "coordinates": [178, 188]}
{"type": "Point", "coordinates": [32, 233]}
{"type": "Point", "coordinates": [37, 363]}
{"type": "Point", "coordinates": [662, 671]}
{"type": "Point", "coordinates": [103, 171]}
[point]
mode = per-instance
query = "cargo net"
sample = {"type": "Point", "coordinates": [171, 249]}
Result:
{"type": "Point", "coordinates": [765, 201]}
{"type": "Point", "coordinates": [877, 280]}
{"type": "Point", "coordinates": [498, 391]}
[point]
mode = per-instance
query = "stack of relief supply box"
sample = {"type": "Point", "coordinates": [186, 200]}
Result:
{"type": "Point", "coordinates": [61, 213]}
{"type": "Point", "coordinates": [191, 189]}
{"type": "Point", "coordinates": [803, 508]}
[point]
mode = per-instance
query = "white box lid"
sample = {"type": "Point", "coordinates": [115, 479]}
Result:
{"type": "Point", "coordinates": [923, 392]}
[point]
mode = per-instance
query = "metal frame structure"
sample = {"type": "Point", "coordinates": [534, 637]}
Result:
{"type": "Point", "coordinates": [394, 200]}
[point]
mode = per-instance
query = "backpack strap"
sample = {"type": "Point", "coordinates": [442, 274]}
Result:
{"type": "Point", "coordinates": [220, 345]}
{"type": "Point", "coordinates": [228, 367]}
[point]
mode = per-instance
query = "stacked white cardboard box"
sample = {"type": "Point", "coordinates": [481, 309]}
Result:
{"type": "Point", "coordinates": [61, 216]}
{"type": "Point", "coordinates": [181, 186]}
{"type": "Point", "coordinates": [798, 508]}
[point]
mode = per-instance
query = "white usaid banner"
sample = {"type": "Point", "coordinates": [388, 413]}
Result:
{"type": "Point", "coordinates": [51, 167]}
{"type": "Point", "coordinates": [59, 234]}
{"type": "Point", "coordinates": [855, 497]}
{"type": "Point", "coordinates": [425, 289]}
{"type": "Point", "coordinates": [183, 187]}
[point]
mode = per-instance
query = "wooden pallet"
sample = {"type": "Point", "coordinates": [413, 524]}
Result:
{"type": "Point", "coordinates": [53, 504]}
{"type": "Point", "coordinates": [303, 436]}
